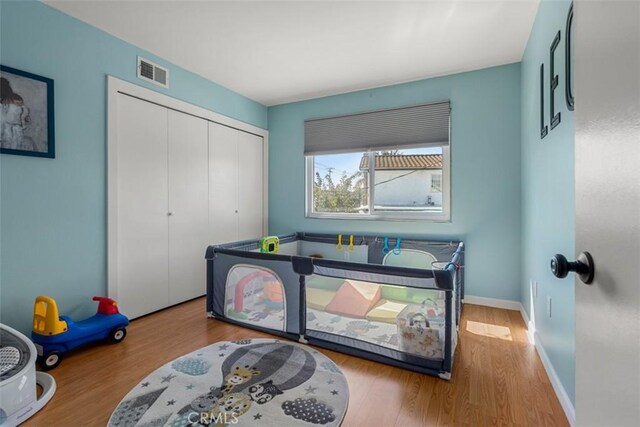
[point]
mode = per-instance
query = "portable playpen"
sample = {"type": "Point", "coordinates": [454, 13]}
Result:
{"type": "Point", "coordinates": [389, 300]}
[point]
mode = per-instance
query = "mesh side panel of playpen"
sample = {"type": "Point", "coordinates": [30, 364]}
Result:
{"type": "Point", "coordinates": [399, 313]}
{"type": "Point", "coordinates": [255, 295]}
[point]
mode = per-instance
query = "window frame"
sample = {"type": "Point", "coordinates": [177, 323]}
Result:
{"type": "Point", "coordinates": [444, 216]}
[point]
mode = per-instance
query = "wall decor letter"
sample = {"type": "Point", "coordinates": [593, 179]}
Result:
{"type": "Point", "coordinates": [543, 128]}
{"type": "Point", "coordinates": [567, 60]}
{"type": "Point", "coordinates": [553, 83]}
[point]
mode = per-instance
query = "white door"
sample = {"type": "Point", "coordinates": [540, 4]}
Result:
{"type": "Point", "coordinates": [223, 183]}
{"type": "Point", "coordinates": [188, 160]}
{"type": "Point", "coordinates": [250, 186]}
{"type": "Point", "coordinates": [607, 76]}
{"type": "Point", "coordinates": [142, 222]}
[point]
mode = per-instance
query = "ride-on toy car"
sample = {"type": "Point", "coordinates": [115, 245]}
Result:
{"type": "Point", "coordinates": [55, 335]}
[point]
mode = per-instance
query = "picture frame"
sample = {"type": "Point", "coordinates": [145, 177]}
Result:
{"type": "Point", "coordinates": [27, 124]}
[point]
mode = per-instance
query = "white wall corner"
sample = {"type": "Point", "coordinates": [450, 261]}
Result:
{"type": "Point", "coordinates": [531, 327]}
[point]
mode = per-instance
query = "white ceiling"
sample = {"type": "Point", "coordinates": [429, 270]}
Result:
{"type": "Point", "coordinates": [277, 52]}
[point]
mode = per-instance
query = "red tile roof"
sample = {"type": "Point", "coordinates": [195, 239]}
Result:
{"type": "Point", "coordinates": [403, 161]}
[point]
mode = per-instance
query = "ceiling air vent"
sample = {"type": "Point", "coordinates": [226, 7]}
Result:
{"type": "Point", "coordinates": [153, 73]}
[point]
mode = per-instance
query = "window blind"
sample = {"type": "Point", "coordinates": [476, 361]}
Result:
{"type": "Point", "coordinates": [407, 126]}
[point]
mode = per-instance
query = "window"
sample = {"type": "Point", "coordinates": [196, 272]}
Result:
{"type": "Point", "coordinates": [340, 184]}
{"type": "Point", "coordinates": [405, 183]}
{"type": "Point", "coordinates": [386, 164]}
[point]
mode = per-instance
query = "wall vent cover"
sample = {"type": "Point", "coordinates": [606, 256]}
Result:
{"type": "Point", "coordinates": [153, 73]}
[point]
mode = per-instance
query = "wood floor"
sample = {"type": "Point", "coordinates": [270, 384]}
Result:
{"type": "Point", "coordinates": [494, 382]}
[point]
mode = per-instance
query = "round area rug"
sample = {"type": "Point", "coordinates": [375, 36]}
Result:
{"type": "Point", "coordinates": [241, 383]}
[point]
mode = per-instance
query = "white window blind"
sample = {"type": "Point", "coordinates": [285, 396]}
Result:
{"type": "Point", "coordinates": [419, 125]}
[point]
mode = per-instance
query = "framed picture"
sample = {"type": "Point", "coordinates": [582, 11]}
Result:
{"type": "Point", "coordinates": [26, 114]}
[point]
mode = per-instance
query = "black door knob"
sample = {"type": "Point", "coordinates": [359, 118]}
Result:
{"type": "Point", "coordinates": [583, 267]}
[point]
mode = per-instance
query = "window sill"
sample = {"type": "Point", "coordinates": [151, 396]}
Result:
{"type": "Point", "coordinates": [442, 218]}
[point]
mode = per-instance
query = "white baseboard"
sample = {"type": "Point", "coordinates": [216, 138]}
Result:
{"type": "Point", "coordinates": [563, 397]}
{"type": "Point", "coordinates": [493, 302]}
{"type": "Point", "coordinates": [534, 339]}
{"type": "Point", "coordinates": [531, 328]}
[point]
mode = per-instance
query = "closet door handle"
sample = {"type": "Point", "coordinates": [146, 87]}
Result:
{"type": "Point", "coordinates": [169, 213]}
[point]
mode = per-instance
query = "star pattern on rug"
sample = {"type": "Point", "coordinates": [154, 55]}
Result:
{"type": "Point", "coordinates": [168, 378]}
{"type": "Point", "coordinates": [193, 378]}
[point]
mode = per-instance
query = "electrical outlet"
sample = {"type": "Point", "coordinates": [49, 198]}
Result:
{"type": "Point", "coordinates": [549, 306]}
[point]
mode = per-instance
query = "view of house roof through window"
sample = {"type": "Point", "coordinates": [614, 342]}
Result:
{"type": "Point", "coordinates": [402, 182]}
{"type": "Point", "coordinates": [389, 161]}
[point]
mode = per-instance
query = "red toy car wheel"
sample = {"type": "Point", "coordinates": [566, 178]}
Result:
{"type": "Point", "coordinates": [117, 335]}
{"type": "Point", "coordinates": [50, 360]}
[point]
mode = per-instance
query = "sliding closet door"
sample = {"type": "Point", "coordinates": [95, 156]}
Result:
{"type": "Point", "coordinates": [188, 205]}
{"type": "Point", "coordinates": [250, 186]}
{"type": "Point", "coordinates": [223, 183]}
{"type": "Point", "coordinates": [142, 198]}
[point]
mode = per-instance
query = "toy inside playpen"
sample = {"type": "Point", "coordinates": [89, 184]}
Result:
{"type": "Point", "coordinates": [257, 296]}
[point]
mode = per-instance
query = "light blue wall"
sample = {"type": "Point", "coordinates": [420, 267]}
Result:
{"type": "Point", "coordinates": [53, 212]}
{"type": "Point", "coordinates": [548, 206]}
{"type": "Point", "coordinates": [485, 170]}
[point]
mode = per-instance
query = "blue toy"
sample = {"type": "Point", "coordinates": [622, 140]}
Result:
{"type": "Point", "coordinates": [397, 250]}
{"type": "Point", "coordinates": [55, 335]}
{"type": "Point", "coordinates": [385, 247]}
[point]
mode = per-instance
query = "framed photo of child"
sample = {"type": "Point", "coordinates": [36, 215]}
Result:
{"type": "Point", "coordinates": [26, 114]}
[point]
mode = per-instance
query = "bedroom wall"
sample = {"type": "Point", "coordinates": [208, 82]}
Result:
{"type": "Point", "coordinates": [485, 170]}
{"type": "Point", "coordinates": [53, 211]}
{"type": "Point", "coordinates": [548, 205]}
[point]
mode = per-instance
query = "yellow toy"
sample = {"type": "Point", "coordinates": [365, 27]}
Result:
{"type": "Point", "coordinates": [46, 320]}
{"type": "Point", "coordinates": [351, 246]}
{"type": "Point", "coordinates": [54, 335]}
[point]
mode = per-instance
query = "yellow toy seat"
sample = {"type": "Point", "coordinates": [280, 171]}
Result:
{"type": "Point", "coordinates": [45, 317]}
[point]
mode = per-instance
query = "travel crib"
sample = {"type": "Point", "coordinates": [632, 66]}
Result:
{"type": "Point", "coordinates": [348, 298]}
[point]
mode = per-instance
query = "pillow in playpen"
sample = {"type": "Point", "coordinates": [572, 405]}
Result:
{"type": "Point", "coordinates": [354, 299]}
{"type": "Point", "coordinates": [319, 298]}
{"type": "Point", "coordinates": [386, 311]}
{"type": "Point", "coordinates": [404, 294]}
{"type": "Point", "coordinates": [323, 282]}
